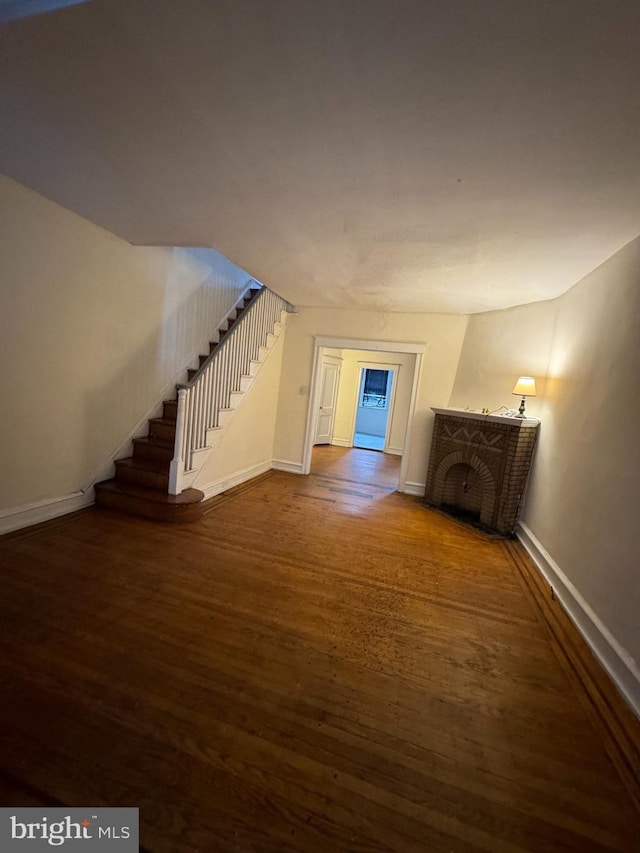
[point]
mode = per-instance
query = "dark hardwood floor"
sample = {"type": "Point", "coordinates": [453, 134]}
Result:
{"type": "Point", "coordinates": [317, 664]}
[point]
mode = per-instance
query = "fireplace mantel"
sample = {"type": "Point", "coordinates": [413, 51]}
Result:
{"type": "Point", "coordinates": [496, 418]}
{"type": "Point", "coordinates": [478, 466]}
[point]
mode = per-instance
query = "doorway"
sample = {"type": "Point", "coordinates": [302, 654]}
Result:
{"type": "Point", "coordinates": [374, 407]}
{"type": "Point", "coordinates": [331, 346]}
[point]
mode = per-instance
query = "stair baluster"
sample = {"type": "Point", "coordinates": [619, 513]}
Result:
{"type": "Point", "coordinates": [208, 393]}
{"type": "Point", "coordinates": [155, 481]}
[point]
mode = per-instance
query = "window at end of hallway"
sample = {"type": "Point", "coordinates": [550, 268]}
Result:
{"type": "Point", "coordinates": [374, 392]}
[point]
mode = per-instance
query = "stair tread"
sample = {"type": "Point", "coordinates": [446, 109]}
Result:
{"type": "Point", "coordinates": [188, 496]}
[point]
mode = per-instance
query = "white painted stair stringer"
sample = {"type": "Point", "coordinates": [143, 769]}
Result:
{"type": "Point", "coordinates": [225, 416]}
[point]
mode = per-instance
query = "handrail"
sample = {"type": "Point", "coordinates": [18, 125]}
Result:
{"type": "Point", "coordinates": [228, 336]}
{"type": "Point", "coordinates": [201, 400]}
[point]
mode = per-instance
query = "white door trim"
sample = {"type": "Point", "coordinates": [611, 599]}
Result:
{"type": "Point", "coordinates": [372, 346]}
{"type": "Point", "coordinates": [322, 342]}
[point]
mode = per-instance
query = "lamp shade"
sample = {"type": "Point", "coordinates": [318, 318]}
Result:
{"type": "Point", "coordinates": [525, 387]}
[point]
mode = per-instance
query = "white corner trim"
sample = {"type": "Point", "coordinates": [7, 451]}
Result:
{"type": "Point", "coordinates": [217, 486]}
{"type": "Point", "coordinates": [416, 489]}
{"type": "Point", "coordinates": [18, 517]}
{"type": "Point", "coordinates": [621, 667]}
{"type": "Point", "coordinates": [341, 442]}
{"type": "Point", "coordinates": [286, 465]}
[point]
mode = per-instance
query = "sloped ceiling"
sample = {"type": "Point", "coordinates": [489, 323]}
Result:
{"type": "Point", "coordinates": [427, 155]}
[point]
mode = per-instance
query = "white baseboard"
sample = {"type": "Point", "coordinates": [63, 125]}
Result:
{"type": "Point", "coordinates": [395, 451]}
{"type": "Point", "coordinates": [218, 486]}
{"type": "Point", "coordinates": [416, 489]}
{"type": "Point", "coordinates": [622, 668]}
{"type": "Point", "coordinates": [18, 517]}
{"type": "Point", "coordinates": [341, 442]}
{"type": "Point", "coordinates": [285, 465]}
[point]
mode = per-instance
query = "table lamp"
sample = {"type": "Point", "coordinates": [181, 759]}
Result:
{"type": "Point", "coordinates": [524, 387]}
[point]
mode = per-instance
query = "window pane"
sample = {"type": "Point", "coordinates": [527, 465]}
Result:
{"type": "Point", "coordinates": [374, 391]}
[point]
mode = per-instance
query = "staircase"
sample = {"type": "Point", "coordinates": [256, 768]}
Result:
{"type": "Point", "coordinates": [141, 482]}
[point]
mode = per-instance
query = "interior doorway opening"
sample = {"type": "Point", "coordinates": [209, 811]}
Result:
{"type": "Point", "coordinates": [385, 376]}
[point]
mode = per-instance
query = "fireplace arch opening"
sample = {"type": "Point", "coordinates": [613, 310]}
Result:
{"type": "Point", "coordinates": [463, 491]}
{"type": "Point", "coordinates": [465, 486]}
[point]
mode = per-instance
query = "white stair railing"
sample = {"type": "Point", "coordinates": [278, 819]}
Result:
{"type": "Point", "coordinates": [201, 400]}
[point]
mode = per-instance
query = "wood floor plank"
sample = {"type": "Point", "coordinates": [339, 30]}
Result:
{"type": "Point", "coordinates": [318, 664]}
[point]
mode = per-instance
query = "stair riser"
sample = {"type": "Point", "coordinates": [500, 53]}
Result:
{"type": "Point", "coordinates": [165, 432]}
{"type": "Point", "coordinates": [157, 452]}
{"type": "Point", "coordinates": [170, 409]}
{"type": "Point", "coordinates": [141, 477]}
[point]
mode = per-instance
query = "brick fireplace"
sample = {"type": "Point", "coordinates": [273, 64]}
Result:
{"type": "Point", "coordinates": [478, 466]}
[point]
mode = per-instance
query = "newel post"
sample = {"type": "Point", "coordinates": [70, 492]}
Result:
{"type": "Point", "coordinates": [176, 469]}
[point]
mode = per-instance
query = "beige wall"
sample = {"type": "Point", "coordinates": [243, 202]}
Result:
{"type": "Point", "coordinates": [349, 389]}
{"type": "Point", "coordinates": [441, 334]}
{"type": "Point", "coordinates": [584, 495]}
{"type": "Point", "coordinates": [499, 347]}
{"type": "Point", "coordinates": [92, 332]}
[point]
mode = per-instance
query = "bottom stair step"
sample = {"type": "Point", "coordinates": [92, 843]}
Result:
{"type": "Point", "coordinates": [150, 503]}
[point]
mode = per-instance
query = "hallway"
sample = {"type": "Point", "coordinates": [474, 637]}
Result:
{"type": "Point", "coordinates": [319, 664]}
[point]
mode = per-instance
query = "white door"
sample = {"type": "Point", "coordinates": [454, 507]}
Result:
{"type": "Point", "coordinates": [330, 372]}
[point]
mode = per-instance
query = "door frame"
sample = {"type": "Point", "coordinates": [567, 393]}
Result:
{"type": "Point", "coordinates": [323, 342]}
{"type": "Point", "coordinates": [374, 365]}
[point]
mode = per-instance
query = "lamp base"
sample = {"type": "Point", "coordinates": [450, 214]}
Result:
{"type": "Point", "coordinates": [521, 413]}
